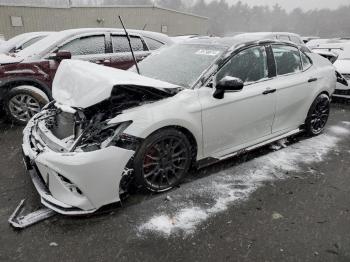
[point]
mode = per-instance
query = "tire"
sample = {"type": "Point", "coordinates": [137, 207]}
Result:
{"type": "Point", "coordinates": [163, 160]}
{"type": "Point", "coordinates": [23, 102]}
{"type": "Point", "coordinates": [318, 115]}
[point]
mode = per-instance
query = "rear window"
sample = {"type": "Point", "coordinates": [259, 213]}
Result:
{"type": "Point", "coordinates": [153, 44]}
{"type": "Point", "coordinates": [283, 37]}
{"type": "Point", "coordinates": [296, 40]}
{"type": "Point", "coordinates": [287, 59]}
{"type": "Point", "coordinates": [120, 44]}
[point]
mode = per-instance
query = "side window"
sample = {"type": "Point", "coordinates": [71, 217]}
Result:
{"type": "Point", "coordinates": [250, 65]}
{"type": "Point", "coordinates": [287, 59]}
{"type": "Point", "coordinates": [306, 61]}
{"type": "Point", "coordinates": [153, 44]}
{"type": "Point", "coordinates": [88, 45]}
{"type": "Point", "coordinates": [120, 43]}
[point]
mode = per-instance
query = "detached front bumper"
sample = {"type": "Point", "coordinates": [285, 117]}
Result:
{"type": "Point", "coordinates": [74, 183]}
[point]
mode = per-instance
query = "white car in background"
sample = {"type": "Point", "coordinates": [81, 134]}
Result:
{"type": "Point", "coordinates": [314, 43]}
{"type": "Point", "coordinates": [195, 103]}
{"type": "Point", "coordinates": [342, 64]}
{"type": "Point", "coordinates": [22, 41]}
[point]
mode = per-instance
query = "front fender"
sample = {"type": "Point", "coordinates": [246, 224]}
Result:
{"type": "Point", "coordinates": [182, 110]}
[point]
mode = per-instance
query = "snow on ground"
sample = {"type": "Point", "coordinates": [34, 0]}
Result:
{"type": "Point", "coordinates": [195, 202]}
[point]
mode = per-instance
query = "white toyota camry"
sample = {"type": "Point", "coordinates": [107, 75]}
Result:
{"type": "Point", "coordinates": [194, 103]}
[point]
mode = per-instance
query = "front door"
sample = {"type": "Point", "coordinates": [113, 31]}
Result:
{"type": "Point", "coordinates": [240, 117]}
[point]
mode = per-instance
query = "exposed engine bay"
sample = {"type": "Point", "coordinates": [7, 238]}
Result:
{"type": "Point", "coordinates": [88, 129]}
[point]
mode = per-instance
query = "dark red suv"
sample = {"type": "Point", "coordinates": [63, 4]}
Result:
{"type": "Point", "coordinates": [26, 77]}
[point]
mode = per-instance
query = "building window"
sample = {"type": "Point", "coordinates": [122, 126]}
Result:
{"type": "Point", "coordinates": [16, 21]}
{"type": "Point", "coordinates": [164, 29]}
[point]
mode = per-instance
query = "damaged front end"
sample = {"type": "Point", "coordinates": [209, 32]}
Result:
{"type": "Point", "coordinates": [76, 157]}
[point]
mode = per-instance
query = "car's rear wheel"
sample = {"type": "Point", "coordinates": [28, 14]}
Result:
{"type": "Point", "coordinates": [23, 102]}
{"type": "Point", "coordinates": [163, 160]}
{"type": "Point", "coordinates": [318, 115]}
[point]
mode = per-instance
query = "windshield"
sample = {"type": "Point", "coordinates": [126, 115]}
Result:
{"type": "Point", "coordinates": [41, 45]}
{"type": "Point", "coordinates": [180, 64]}
{"type": "Point", "coordinates": [11, 43]}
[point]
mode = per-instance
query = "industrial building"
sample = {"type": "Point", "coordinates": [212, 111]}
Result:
{"type": "Point", "coordinates": [19, 17]}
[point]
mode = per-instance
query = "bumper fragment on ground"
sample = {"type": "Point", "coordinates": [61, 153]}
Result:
{"type": "Point", "coordinates": [20, 220]}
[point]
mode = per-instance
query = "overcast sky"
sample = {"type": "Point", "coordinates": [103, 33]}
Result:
{"type": "Point", "coordinates": [291, 4]}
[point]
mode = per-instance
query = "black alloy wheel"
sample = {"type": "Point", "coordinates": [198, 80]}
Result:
{"type": "Point", "coordinates": [318, 115]}
{"type": "Point", "coordinates": [163, 160]}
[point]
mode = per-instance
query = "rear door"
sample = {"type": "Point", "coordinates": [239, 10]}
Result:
{"type": "Point", "coordinates": [121, 57]}
{"type": "Point", "coordinates": [294, 86]}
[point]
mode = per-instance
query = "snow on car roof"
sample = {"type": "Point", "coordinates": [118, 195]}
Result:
{"type": "Point", "coordinates": [46, 44]}
{"type": "Point", "coordinates": [233, 41]}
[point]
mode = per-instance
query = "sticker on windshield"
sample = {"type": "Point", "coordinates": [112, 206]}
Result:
{"type": "Point", "coordinates": [207, 52]}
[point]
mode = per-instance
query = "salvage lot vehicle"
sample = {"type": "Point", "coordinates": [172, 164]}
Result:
{"type": "Point", "coordinates": [19, 42]}
{"type": "Point", "coordinates": [194, 103]}
{"type": "Point", "coordinates": [342, 64]}
{"type": "Point", "coordinates": [26, 77]}
{"type": "Point", "coordinates": [282, 36]}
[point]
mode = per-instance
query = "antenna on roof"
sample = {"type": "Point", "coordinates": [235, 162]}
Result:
{"type": "Point", "coordinates": [132, 51]}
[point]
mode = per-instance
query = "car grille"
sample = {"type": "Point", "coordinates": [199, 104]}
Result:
{"type": "Point", "coordinates": [342, 92]}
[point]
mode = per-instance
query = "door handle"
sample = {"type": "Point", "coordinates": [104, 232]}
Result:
{"type": "Point", "coordinates": [312, 79]}
{"type": "Point", "coordinates": [269, 91]}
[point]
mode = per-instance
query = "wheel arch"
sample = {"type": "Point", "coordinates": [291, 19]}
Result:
{"type": "Point", "coordinates": [8, 85]}
{"type": "Point", "coordinates": [191, 138]}
{"type": "Point", "coordinates": [323, 92]}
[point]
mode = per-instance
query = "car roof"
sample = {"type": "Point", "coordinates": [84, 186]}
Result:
{"type": "Point", "coordinates": [235, 41]}
{"type": "Point", "coordinates": [46, 44]}
{"type": "Point", "coordinates": [158, 36]}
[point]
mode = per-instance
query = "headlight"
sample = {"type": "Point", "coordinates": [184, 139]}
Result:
{"type": "Point", "coordinates": [100, 136]}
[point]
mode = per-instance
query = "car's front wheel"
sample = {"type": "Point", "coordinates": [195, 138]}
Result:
{"type": "Point", "coordinates": [23, 102]}
{"type": "Point", "coordinates": [163, 160]}
{"type": "Point", "coordinates": [318, 115]}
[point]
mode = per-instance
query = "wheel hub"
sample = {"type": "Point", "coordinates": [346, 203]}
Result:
{"type": "Point", "coordinates": [23, 107]}
{"type": "Point", "coordinates": [164, 162]}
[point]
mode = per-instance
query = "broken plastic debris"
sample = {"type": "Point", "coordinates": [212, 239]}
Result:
{"type": "Point", "coordinates": [276, 215]}
{"type": "Point", "coordinates": [18, 220]}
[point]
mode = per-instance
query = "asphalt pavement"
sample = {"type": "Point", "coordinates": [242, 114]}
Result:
{"type": "Point", "coordinates": [290, 202]}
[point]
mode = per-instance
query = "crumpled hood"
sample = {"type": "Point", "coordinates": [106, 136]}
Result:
{"type": "Point", "coordinates": [83, 84]}
{"type": "Point", "coordinates": [6, 59]}
{"type": "Point", "coordinates": [343, 66]}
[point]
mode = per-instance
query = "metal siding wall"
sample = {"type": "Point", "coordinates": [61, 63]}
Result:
{"type": "Point", "coordinates": [56, 19]}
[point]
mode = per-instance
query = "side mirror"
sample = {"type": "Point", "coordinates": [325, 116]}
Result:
{"type": "Point", "coordinates": [61, 55]}
{"type": "Point", "coordinates": [228, 83]}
